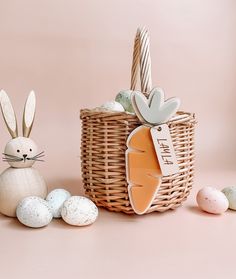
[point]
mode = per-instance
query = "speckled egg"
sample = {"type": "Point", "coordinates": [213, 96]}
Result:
{"type": "Point", "coordinates": [124, 98]}
{"type": "Point", "coordinates": [230, 193]}
{"type": "Point", "coordinates": [34, 212]}
{"type": "Point", "coordinates": [79, 211]}
{"type": "Point", "coordinates": [212, 200]}
{"type": "Point", "coordinates": [55, 199]}
{"type": "Point", "coordinates": [112, 106]}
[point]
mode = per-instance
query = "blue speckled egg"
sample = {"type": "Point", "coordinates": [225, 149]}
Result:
{"type": "Point", "coordinates": [124, 98]}
{"type": "Point", "coordinates": [230, 193]}
{"type": "Point", "coordinates": [55, 199]}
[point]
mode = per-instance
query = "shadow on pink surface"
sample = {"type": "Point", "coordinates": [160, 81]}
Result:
{"type": "Point", "coordinates": [197, 211]}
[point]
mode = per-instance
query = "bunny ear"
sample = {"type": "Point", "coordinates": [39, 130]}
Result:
{"type": "Point", "coordinates": [29, 113]}
{"type": "Point", "coordinates": [8, 114]}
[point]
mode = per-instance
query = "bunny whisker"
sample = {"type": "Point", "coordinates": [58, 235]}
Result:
{"type": "Point", "coordinates": [34, 159]}
{"type": "Point", "coordinates": [11, 156]}
{"type": "Point", "coordinates": [39, 155]}
{"type": "Point", "coordinates": [38, 158]}
{"type": "Point", "coordinates": [11, 160]}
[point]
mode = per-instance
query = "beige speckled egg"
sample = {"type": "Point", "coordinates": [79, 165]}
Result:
{"type": "Point", "coordinates": [230, 193]}
{"type": "Point", "coordinates": [34, 212]}
{"type": "Point", "coordinates": [55, 199]}
{"type": "Point", "coordinates": [79, 211]}
{"type": "Point", "coordinates": [113, 106]}
{"type": "Point", "coordinates": [212, 200]}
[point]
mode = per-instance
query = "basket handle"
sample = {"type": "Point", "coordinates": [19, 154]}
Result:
{"type": "Point", "coordinates": [142, 61]}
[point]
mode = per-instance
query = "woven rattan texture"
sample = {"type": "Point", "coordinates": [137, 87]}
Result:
{"type": "Point", "coordinates": [103, 146]}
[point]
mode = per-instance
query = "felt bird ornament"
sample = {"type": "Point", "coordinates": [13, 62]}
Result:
{"type": "Point", "coordinates": [143, 170]}
{"type": "Point", "coordinates": [20, 179]}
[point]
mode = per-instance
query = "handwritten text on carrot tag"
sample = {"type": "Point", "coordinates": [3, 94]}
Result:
{"type": "Point", "coordinates": [164, 149]}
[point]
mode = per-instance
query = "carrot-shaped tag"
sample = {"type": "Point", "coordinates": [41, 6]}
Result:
{"type": "Point", "coordinates": [143, 170]}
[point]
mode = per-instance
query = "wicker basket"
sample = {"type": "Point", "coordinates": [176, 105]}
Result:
{"type": "Point", "coordinates": [103, 147]}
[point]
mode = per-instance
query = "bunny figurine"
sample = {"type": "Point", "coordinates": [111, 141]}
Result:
{"type": "Point", "coordinates": [20, 179]}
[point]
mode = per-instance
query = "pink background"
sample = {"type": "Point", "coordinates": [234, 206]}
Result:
{"type": "Point", "coordinates": [77, 54]}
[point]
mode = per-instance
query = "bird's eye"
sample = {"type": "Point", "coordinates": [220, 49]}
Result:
{"type": "Point", "coordinates": [30, 149]}
{"type": "Point", "coordinates": [18, 150]}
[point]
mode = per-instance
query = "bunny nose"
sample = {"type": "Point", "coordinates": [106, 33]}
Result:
{"type": "Point", "coordinates": [24, 156]}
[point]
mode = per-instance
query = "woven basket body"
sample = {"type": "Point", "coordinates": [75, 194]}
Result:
{"type": "Point", "coordinates": [103, 147]}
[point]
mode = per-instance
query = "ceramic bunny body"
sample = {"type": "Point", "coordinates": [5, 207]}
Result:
{"type": "Point", "coordinates": [20, 179]}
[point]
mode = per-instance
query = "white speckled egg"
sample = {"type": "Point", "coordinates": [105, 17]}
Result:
{"type": "Point", "coordinates": [124, 98]}
{"type": "Point", "coordinates": [113, 106]}
{"type": "Point", "coordinates": [79, 211]}
{"type": "Point", "coordinates": [212, 200]}
{"type": "Point", "coordinates": [34, 212]}
{"type": "Point", "coordinates": [230, 193]}
{"type": "Point", "coordinates": [55, 199]}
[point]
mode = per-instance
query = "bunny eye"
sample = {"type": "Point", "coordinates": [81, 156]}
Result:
{"type": "Point", "coordinates": [30, 149]}
{"type": "Point", "coordinates": [18, 150]}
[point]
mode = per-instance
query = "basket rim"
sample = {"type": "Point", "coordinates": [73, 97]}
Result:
{"type": "Point", "coordinates": [179, 117]}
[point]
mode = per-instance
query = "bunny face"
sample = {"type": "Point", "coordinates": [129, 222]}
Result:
{"type": "Point", "coordinates": [21, 152]}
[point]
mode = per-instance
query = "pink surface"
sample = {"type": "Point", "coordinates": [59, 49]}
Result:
{"type": "Point", "coordinates": [185, 243]}
{"type": "Point", "coordinates": [77, 54]}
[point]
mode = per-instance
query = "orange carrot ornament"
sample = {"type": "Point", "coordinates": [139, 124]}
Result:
{"type": "Point", "coordinates": [150, 153]}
